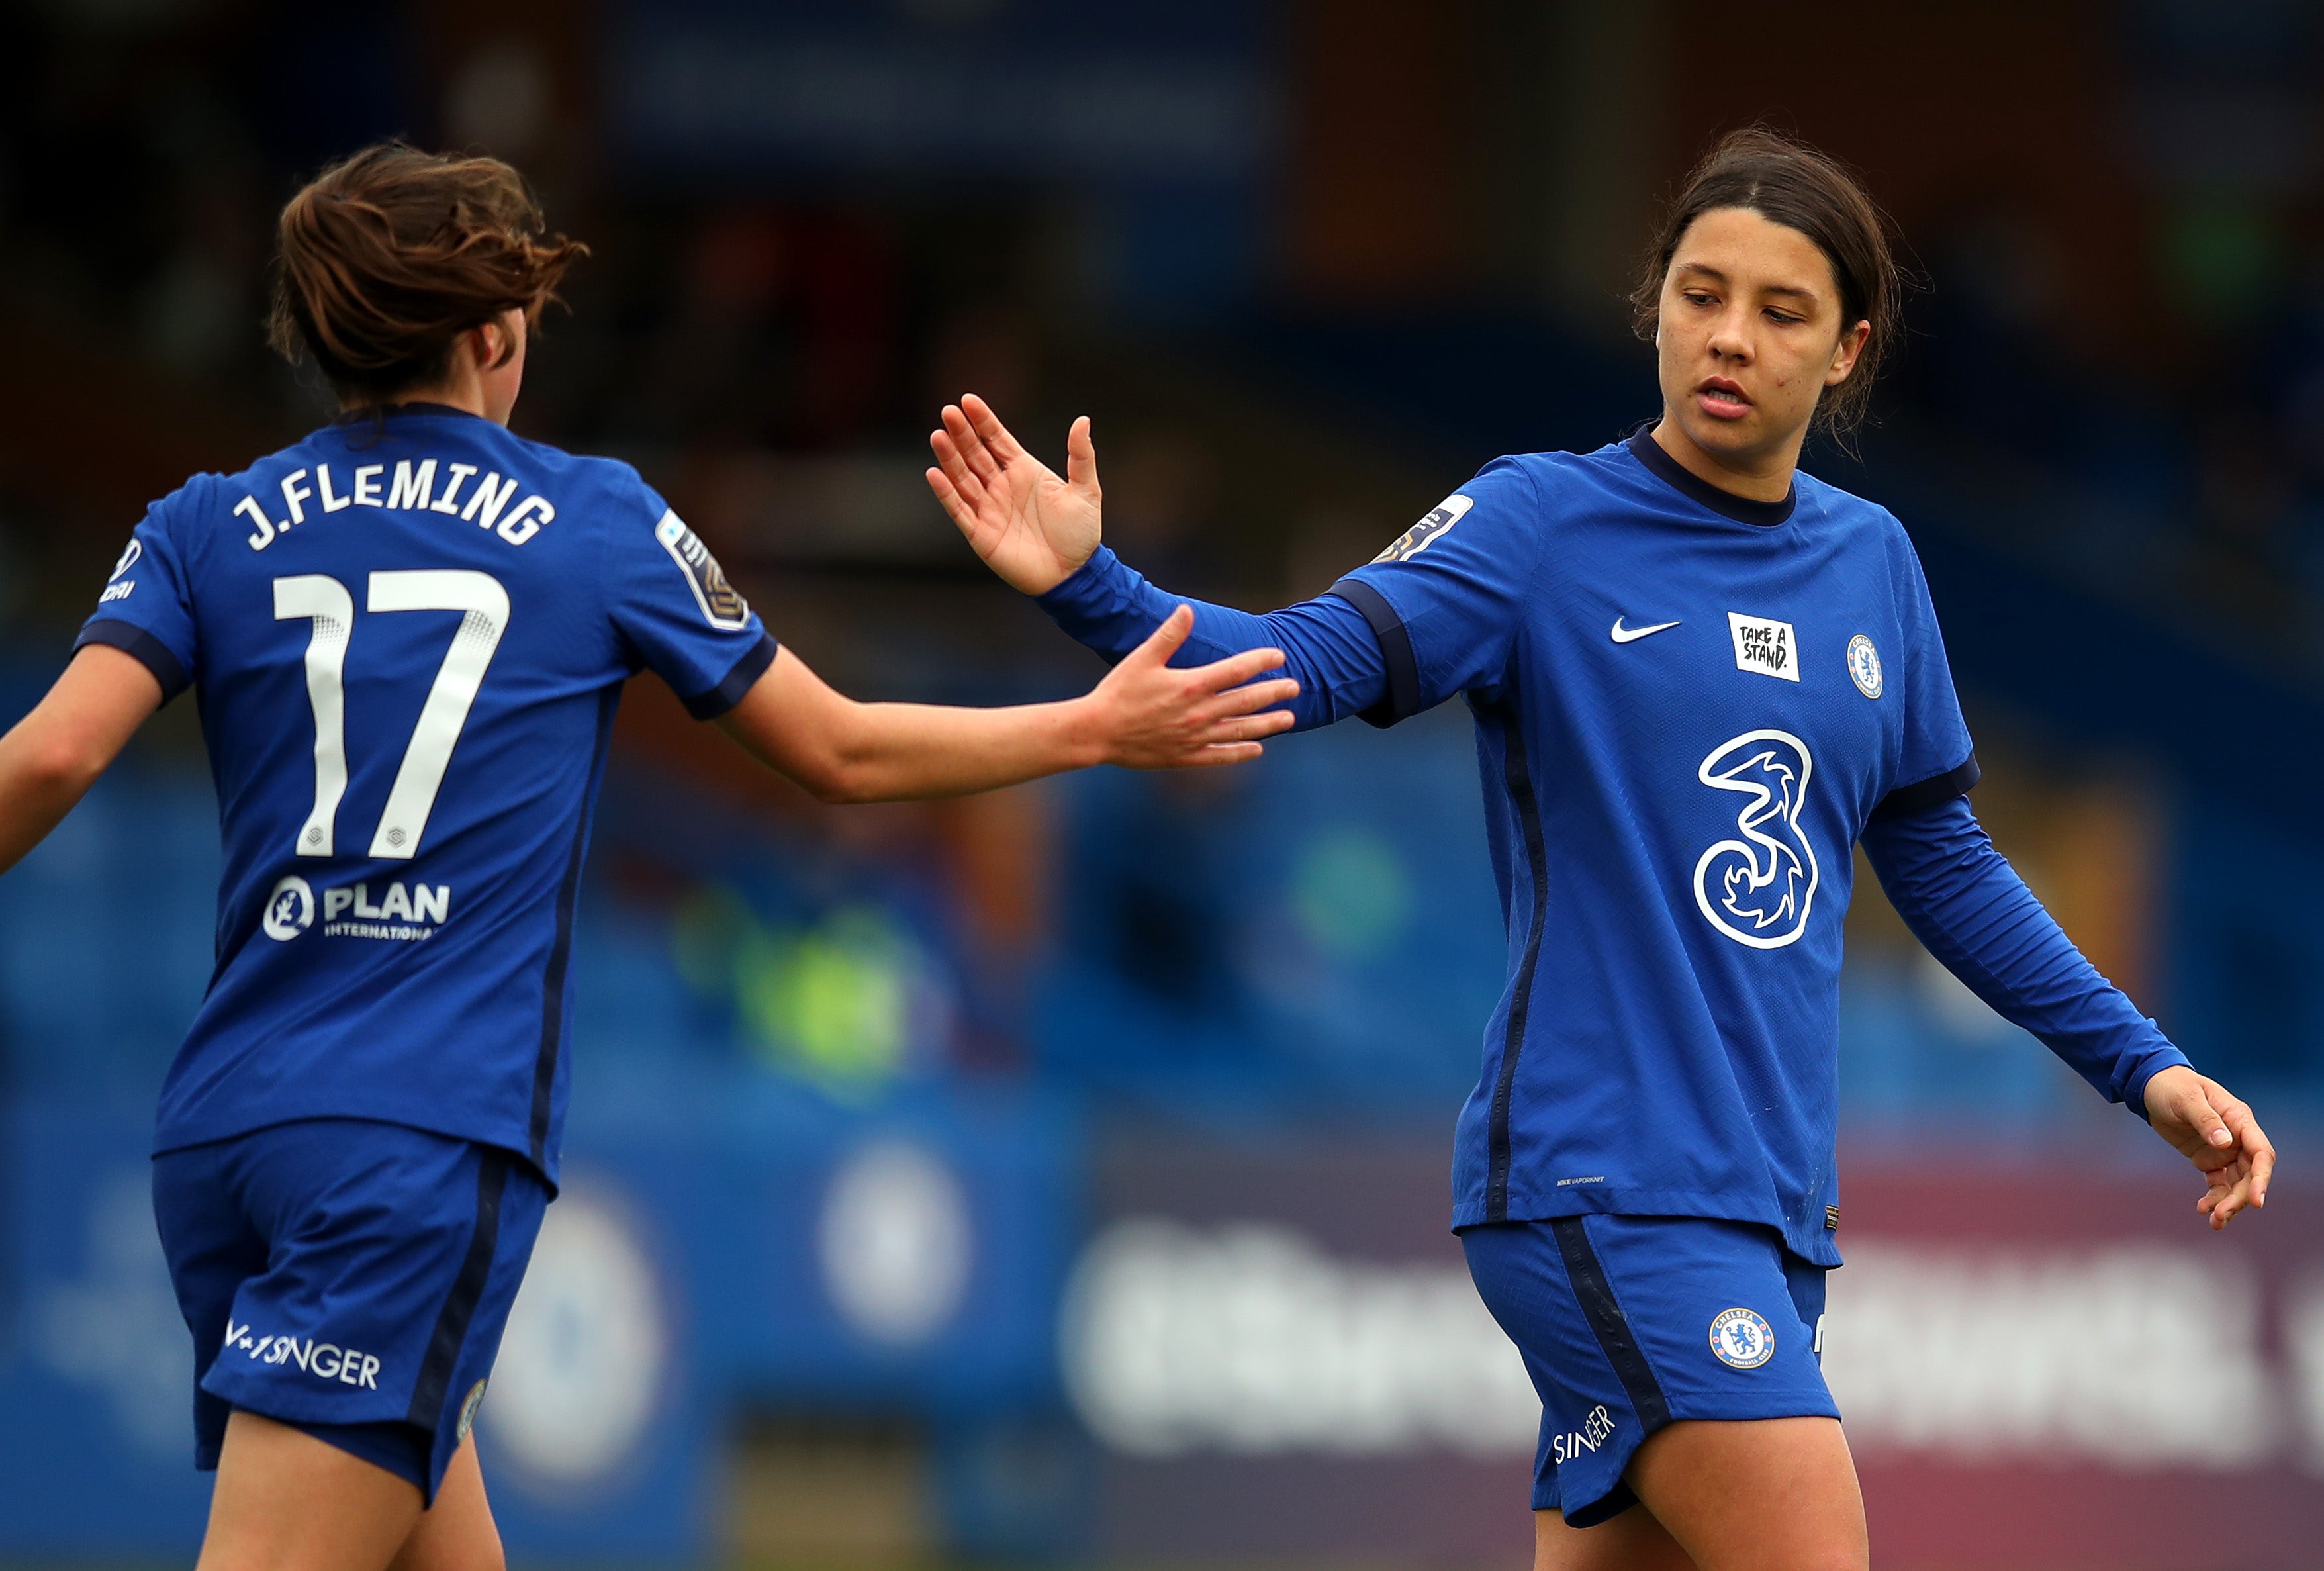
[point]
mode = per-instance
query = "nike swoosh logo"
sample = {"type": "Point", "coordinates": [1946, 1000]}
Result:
{"type": "Point", "coordinates": [1630, 634]}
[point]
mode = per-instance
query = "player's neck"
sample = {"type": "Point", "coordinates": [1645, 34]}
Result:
{"type": "Point", "coordinates": [465, 389]}
{"type": "Point", "coordinates": [1756, 477]}
{"type": "Point", "coordinates": [467, 401]}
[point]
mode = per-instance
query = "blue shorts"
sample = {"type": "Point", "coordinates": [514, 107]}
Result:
{"type": "Point", "coordinates": [349, 1277]}
{"type": "Point", "coordinates": [1627, 1323]}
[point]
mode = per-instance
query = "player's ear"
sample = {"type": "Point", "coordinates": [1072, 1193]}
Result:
{"type": "Point", "coordinates": [1845, 353]}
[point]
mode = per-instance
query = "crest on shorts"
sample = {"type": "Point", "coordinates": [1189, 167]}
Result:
{"type": "Point", "coordinates": [722, 604]}
{"type": "Point", "coordinates": [1741, 1340]}
{"type": "Point", "coordinates": [468, 1410]}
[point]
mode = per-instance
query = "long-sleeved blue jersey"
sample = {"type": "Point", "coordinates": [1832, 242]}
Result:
{"type": "Point", "coordinates": [1688, 708]}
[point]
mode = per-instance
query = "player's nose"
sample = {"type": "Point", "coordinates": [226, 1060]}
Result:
{"type": "Point", "coordinates": [1730, 338]}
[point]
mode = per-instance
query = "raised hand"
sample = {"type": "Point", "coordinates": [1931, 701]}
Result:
{"type": "Point", "coordinates": [1151, 716]}
{"type": "Point", "coordinates": [1029, 526]}
{"type": "Point", "coordinates": [2219, 1134]}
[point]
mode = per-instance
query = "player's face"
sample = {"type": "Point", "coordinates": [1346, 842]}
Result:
{"type": "Point", "coordinates": [1749, 336]}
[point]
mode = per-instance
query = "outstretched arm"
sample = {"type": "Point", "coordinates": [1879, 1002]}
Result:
{"type": "Point", "coordinates": [1145, 715]}
{"type": "Point", "coordinates": [50, 758]}
{"type": "Point", "coordinates": [1962, 898]}
{"type": "Point", "coordinates": [1042, 534]}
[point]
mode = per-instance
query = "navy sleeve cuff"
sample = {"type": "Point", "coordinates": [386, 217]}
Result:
{"type": "Point", "coordinates": [148, 650]}
{"type": "Point", "coordinates": [1402, 699]}
{"type": "Point", "coordinates": [1084, 600]}
{"type": "Point", "coordinates": [1933, 793]}
{"type": "Point", "coordinates": [718, 700]}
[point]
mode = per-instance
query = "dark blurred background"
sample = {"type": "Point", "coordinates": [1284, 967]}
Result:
{"type": "Point", "coordinates": [1058, 1176]}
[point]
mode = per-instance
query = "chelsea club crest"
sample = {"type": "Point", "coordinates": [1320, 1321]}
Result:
{"type": "Point", "coordinates": [1741, 1339]}
{"type": "Point", "coordinates": [1863, 665]}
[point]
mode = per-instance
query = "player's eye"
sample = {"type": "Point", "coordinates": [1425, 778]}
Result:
{"type": "Point", "coordinates": [1695, 296]}
{"type": "Point", "coordinates": [1785, 318]}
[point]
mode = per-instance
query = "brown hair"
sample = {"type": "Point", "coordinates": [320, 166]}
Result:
{"type": "Point", "coordinates": [386, 258]}
{"type": "Point", "coordinates": [1790, 183]}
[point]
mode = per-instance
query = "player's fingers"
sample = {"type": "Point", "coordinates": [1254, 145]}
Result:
{"type": "Point", "coordinates": [2252, 1144]}
{"type": "Point", "coordinates": [974, 449]}
{"type": "Point", "coordinates": [955, 463]}
{"type": "Point", "coordinates": [1251, 698]}
{"type": "Point", "coordinates": [1220, 753]}
{"type": "Point", "coordinates": [959, 512]}
{"type": "Point", "coordinates": [2229, 1204]}
{"type": "Point", "coordinates": [1237, 669]}
{"type": "Point", "coordinates": [1241, 727]}
{"type": "Point", "coordinates": [1081, 457]}
{"type": "Point", "coordinates": [1163, 641]}
{"type": "Point", "coordinates": [988, 426]}
{"type": "Point", "coordinates": [974, 456]}
{"type": "Point", "coordinates": [2193, 1108]}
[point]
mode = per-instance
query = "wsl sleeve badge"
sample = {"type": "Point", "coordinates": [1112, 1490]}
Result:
{"type": "Point", "coordinates": [1427, 531]}
{"type": "Point", "coordinates": [1740, 1339]}
{"type": "Point", "coordinates": [722, 606]}
{"type": "Point", "coordinates": [1863, 665]}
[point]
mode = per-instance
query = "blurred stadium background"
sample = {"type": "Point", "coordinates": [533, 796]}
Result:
{"type": "Point", "coordinates": [1058, 1177]}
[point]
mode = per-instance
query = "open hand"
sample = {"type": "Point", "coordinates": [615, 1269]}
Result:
{"type": "Point", "coordinates": [2219, 1134]}
{"type": "Point", "coordinates": [1151, 716]}
{"type": "Point", "coordinates": [1028, 526]}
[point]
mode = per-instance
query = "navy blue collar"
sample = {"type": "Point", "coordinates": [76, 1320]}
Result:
{"type": "Point", "coordinates": [1741, 509]}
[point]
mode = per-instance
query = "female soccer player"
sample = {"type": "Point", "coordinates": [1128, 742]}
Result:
{"type": "Point", "coordinates": [408, 634]}
{"type": "Point", "coordinates": [1699, 676]}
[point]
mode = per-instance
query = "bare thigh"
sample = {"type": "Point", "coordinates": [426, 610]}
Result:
{"type": "Point", "coordinates": [287, 1502]}
{"type": "Point", "coordinates": [1633, 1541]}
{"type": "Point", "coordinates": [457, 1533]}
{"type": "Point", "coordinates": [1767, 1494]}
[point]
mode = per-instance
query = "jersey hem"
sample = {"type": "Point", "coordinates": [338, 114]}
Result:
{"type": "Point", "coordinates": [168, 1138]}
{"type": "Point", "coordinates": [1817, 1249]}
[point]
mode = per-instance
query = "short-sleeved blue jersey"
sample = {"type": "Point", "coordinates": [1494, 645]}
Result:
{"type": "Point", "coordinates": [1688, 705]}
{"type": "Point", "coordinates": [407, 635]}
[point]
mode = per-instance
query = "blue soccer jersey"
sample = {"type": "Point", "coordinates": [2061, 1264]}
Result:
{"type": "Point", "coordinates": [1688, 706]}
{"type": "Point", "coordinates": [407, 635]}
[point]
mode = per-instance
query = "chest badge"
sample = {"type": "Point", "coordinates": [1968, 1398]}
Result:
{"type": "Point", "coordinates": [1863, 665]}
{"type": "Point", "coordinates": [1769, 648]}
{"type": "Point", "coordinates": [1622, 634]}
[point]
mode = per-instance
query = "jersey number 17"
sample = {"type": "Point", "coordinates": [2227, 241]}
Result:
{"type": "Point", "coordinates": [327, 603]}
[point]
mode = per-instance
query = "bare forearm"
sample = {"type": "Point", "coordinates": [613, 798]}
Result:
{"type": "Point", "coordinates": [1144, 714]}
{"type": "Point", "coordinates": [34, 800]}
{"type": "Point", "coordinates": [50, 758]}
{"type": "Point", "coordinates": [900, 751]}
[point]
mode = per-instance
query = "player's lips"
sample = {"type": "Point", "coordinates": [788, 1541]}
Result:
{"type": "Point", "coordinates": [1722, 399]}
